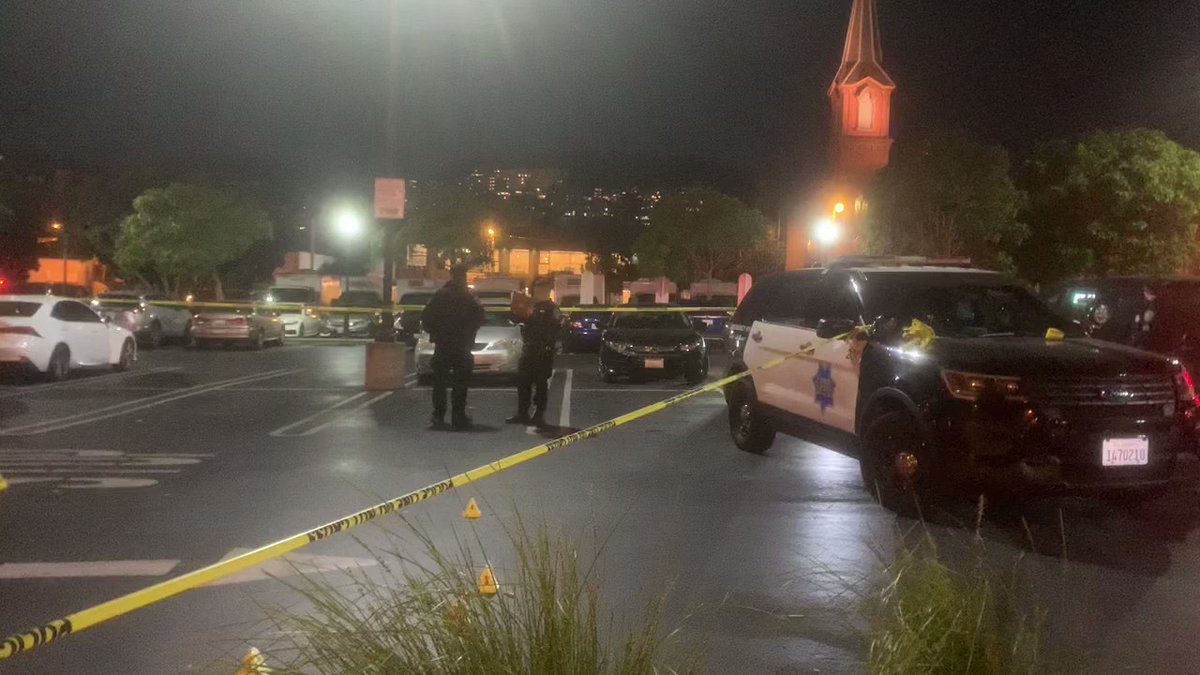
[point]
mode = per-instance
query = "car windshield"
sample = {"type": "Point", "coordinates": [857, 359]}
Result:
{"type": "Point", "coordinates": [499, 319]}
{"type": "Point", "coordinates": [651, 320]}
{"type": "Point", "coordinates": [976, 310]}
{"type": "Point", "coordinates": [357, 299]}
{"type": "Point", "coordinates": [421, 299]}
{"type": "Point", "coordinates": [21, 309]}
{"type": "Point", "coordinates": [298, 295]}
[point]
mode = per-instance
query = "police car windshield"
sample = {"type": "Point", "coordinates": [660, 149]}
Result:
{"type": "Point", "coordinates": [650, 320]}
{"type": "Point", "coordinates": [971, 310]}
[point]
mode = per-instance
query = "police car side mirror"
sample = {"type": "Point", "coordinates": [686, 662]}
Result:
{"type": "Point", "coordinates": [831, 328]}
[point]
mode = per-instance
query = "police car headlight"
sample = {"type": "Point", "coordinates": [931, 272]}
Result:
{"type": "Point", "coordinates": [973, 386]}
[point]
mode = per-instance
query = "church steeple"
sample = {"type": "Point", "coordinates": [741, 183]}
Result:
{"type": "Point", "coordinates": [861, 95]}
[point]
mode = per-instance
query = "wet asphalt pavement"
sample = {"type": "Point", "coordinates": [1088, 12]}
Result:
{"type": "Point", "coordinates": [122, 480]}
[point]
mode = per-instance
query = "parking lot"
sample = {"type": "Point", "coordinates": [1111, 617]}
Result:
{"type": "Point", "coordinates": [121, 480]}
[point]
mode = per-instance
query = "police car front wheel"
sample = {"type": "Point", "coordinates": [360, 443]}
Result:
{"type": "Point", "coordinates": [751, 430]}
{"type": "Point", "coordinates": [895, 464]}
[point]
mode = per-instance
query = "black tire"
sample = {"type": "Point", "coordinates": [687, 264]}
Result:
{"type": "Point", "coordinates": [256, 340]}
{"type": "Point", "coordinates": [698, 376]}
{"type": "Point", "coordinates": [125, 360]}
{"type": "Point", "coordinates": [607, 376]}
{"type": "Point", "coordinates": [59, 368]}
{"type": "Point", "coordinates": [751, 430]}
{"type": "Point", "coordinates": [187, 334]}
{"type": "Point", "coordinates": [300, 329]}
{"type": "Point", "coordinates": [896, 464]}
{"type": "Point", "coordinates": [279, 340]}
{"type": "Point", "coordinates": [154, 338]}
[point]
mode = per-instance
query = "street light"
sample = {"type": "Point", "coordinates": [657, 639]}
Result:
{"type": "Point", "coordinates": [62, 242]}
{"type": "Point", "coordinates": [839, 208]}
{"type": "Point", "coordinates": [349, 224]}
{"type": "Point", "coordinates": [827, 232]}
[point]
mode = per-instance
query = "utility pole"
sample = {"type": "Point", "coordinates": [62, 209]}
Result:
{"type": "Point", "coordinates": [387, 332]}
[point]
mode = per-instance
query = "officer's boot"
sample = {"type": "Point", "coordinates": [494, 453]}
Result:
{"type": "Point", "coordinates": [524, 391]}
{"type": "Point", "coordinates": [539, 418]}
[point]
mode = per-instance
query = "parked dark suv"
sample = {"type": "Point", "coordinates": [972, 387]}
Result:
{"type": "Point", "coordinates": [992, 403]}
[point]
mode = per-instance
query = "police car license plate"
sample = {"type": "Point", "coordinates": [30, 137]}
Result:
{"type": "Point", "coordinates": [655, 363]}
{"type": "Point", "coordinates": [1125, 451]}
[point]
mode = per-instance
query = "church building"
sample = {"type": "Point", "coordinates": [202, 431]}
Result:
{"type": "Point", "coordinates": [860, 100]}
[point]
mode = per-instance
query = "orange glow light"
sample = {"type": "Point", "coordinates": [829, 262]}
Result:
{"type": "Point", "coordinates": [839, 208]}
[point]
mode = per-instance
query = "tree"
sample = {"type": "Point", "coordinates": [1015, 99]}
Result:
{"type": "Point", "coordinates": [946, 196]}
{"type": "Point", "coordinates": [23, 214]}
{"type": "Point", "coordinates": [183, 233]}
{"type": "Point", "coordinates": [1111, 203]}
{"type": "Point", "coordinates": [451, 222]}
{"type": "Point", "coordinates": [699, 233]}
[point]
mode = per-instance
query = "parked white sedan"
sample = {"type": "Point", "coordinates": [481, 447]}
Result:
{"type": "Point", "coordinates": [497, 348]}
{"type": "Point", "coordinates": [53, 335]}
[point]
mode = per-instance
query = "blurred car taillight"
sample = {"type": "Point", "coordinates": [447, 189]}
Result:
{"type": "Point", "coordinates": [236, 321]}
{"type": "Point", "coordinates": [1185, 389]}
{"type": "Point", "coordinates": [577, 324]}
{"type": "Point", "coordinates": [19, 330]}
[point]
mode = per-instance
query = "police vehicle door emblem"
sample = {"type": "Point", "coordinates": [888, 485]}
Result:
{"type": "Point", "coordinates": [824, 385]}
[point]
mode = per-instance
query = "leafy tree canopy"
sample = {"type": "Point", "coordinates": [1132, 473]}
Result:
{"type": "Point", "coordinates": [184, 232]}
{"type": "Point", "coordinates": [1122, 202]}
{"type": "Point", "coordinates": [697, 234]}
{"type": "Point", "coordinates": [946, 196]}
{"type": "Point", "coordinates": [451, 221]}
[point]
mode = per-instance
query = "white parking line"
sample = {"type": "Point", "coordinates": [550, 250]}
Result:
{"type": "Point", "coordinates": [564, 410]}
{"type": "Point", "coordinates": [135, 405]}
{"type": "Point", "coordinates": [362, 406]}
{"type": "Point", "coordinates": [21, 391]}
{"type": "Point", "coordinates": [286, 431]}
{"type": "Point", "coordinates": [98, 568]}
{"type": "Point", "coordinates": [283, 430]}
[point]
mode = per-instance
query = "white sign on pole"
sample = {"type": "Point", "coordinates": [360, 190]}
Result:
{"type": "Point", "coordinates": [389, 198]}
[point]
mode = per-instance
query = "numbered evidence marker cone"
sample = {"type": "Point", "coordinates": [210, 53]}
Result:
{"type": "Point", "coordinates": [487, 581]}
{"type": "Point", "coordinates": [472, 511]}
{"type": "Point", "coordinates": [253, 664]}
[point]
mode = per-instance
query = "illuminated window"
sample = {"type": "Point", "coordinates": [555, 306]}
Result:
{"type": "Point", "coordinates": [866, 110]}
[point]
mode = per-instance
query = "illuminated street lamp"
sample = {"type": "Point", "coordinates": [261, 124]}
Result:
{"type": "Point", "coordinates": [826, 233]}
{"type": "Point", "coordinates": [62, 243]}
{"type": "Point", "coordinates": [839, 208]}
{"type": "Point", "coordinates": [349, 224]}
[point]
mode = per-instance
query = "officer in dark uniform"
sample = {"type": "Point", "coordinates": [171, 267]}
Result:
{"type": "Point", "coordinates": [1143, 321]}
{"type": "Point", "coordinates": [452, 318]}
{"type": "Point", "coordinates": [540, 326]}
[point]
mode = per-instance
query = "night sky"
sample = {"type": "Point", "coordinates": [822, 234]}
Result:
{"type": "Point", "coordinates": [297, 86]}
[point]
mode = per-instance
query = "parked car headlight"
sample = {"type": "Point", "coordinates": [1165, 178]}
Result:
{"type": "Point", "coordinates": [619, 347]}
{"type": "Point", "coordinates": [506, 344]}
{"type": "Point", "coordinates": [972, 386]}
{"type": "Point", "coordinates": [692, 346]}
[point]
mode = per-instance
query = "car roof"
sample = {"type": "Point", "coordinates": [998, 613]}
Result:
{"type": "Point", "coordinates": [39, 297]}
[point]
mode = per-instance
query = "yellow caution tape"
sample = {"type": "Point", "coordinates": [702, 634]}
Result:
{"type": "Point", "coordinates": [331, 309]}
{"type": "Point", "coordinates": [84, 619]}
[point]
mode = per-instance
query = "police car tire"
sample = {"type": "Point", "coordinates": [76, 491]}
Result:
{"type": "Point", "coordinates": [885, 436]}
{"type": "Point", "coordinates": [751, 430]}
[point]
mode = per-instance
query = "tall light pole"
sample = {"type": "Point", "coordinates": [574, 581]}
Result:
{"type": "Point", "coordinates": [387, 332]}
{"type": "Point", "coordinates": [62, 243]}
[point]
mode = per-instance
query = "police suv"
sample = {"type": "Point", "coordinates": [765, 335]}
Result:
{"type": "Point", "coordinates": [996, 401]}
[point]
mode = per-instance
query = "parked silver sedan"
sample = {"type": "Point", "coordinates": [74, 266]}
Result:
{"type": "Point", "coordinates": [143, 314]}
{"type": "Point", "coordinates": [497, 348]}
{"type": "Point", "coordinates": [249, 327]}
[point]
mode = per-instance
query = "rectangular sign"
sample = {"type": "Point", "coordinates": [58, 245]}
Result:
{"type": "Point", "coordinates": [389, 198]}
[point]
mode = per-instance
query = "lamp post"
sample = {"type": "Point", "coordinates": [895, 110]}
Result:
{"type": "Point", "coordinates": [349, 226]}
{"type": "Point", "coordinates": [62, 242]}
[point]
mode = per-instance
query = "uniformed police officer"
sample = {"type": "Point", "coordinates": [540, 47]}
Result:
{"type": "Point", "coordinates": [452, 318]}
{"type": "Point", "coordinates": [540, 326]}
